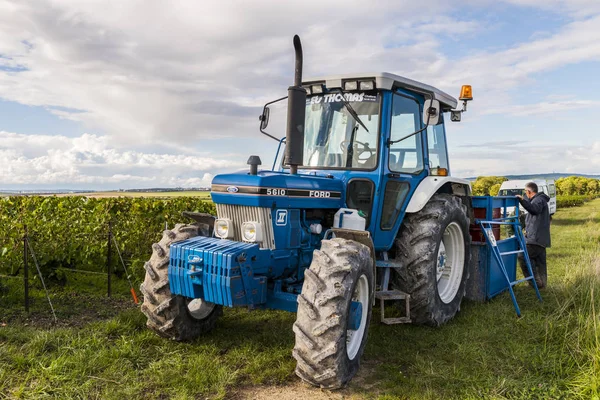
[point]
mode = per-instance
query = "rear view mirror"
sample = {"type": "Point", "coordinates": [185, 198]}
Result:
{"type": "Point", "coordinates": [264, 118]}
{"type": "Point", "coordinates": [431, 112]}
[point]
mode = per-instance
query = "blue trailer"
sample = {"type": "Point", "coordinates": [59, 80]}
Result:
{"type": "Point", "coordinates": [361, 206]}
{"type": "Point", "coordinates": [486, 279]}
{"type": "Point", "coordinates": [498, 241]}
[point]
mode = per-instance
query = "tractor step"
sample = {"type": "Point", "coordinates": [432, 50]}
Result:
{"type": "Point", "coordinates": [393, 295]}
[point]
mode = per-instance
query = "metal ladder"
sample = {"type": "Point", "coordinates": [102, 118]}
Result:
{"type": "Point", "coordinates": [486, 229]}
{"type": "Point", "coordinates": [386, 294]}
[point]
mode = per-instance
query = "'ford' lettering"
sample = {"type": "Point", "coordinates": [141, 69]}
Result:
{"type": "Point", "coordinates": [318, 193]}
{"type": "Point", "coordinates": [232, 189]}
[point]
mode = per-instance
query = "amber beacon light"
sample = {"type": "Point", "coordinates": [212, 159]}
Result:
{"type": "Point", "coordinates": [466, 93]}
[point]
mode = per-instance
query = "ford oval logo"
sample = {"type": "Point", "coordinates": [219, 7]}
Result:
{"type": "Point", "coordinates": [232, 189]}
{"type": "Point", "coordinates": [194, 259]}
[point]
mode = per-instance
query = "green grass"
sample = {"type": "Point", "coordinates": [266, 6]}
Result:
{"type": "Point", "coordinates": [553, 351]}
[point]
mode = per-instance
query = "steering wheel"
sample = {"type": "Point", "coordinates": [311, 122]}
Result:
{"type": "Point", "coordinates": [359, 150]}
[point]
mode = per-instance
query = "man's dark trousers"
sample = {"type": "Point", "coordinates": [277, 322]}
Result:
{"type": "Point", "coordinates": [537, 257]}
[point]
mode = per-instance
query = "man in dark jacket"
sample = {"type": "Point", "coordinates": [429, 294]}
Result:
{"type": "Point", "coordinates": [537, 232]}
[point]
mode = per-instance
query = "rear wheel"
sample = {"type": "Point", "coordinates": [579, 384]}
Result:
{"type": "Point", "coordinates": [329, 342]}
{"type": "Point", "coordinates": [434, 248]}
{"type": "Point", "coordinates": [173, 316]}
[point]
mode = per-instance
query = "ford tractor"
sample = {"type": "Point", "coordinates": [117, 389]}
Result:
{"type": "Point", "coordinates": [361, 210]}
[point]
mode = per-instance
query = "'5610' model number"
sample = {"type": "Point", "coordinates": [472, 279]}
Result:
{"type": "Point", "coordinates": [276, 192]}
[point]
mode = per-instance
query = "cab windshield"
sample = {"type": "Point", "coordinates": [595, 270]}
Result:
{"type": "Point", "coordinates": [333, 138]}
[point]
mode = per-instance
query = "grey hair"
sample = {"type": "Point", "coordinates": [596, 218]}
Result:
{"type": "Point", "coordinates": [532, 186]}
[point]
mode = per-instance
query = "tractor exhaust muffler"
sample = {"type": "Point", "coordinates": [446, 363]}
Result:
{"type": "Point", "coordinates": [294, 137]}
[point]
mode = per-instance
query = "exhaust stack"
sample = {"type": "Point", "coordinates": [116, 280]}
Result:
{"type": "Point", "coordinates": [294, 137]}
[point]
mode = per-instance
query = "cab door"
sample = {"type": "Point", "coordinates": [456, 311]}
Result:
{"type": "Point", "coordinates": [405, 163]}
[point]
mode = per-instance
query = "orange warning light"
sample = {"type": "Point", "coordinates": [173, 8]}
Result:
{"type": "Point", "coordinates": [466, 93]}
{"type": "Point", "coordinates": [439, 171]}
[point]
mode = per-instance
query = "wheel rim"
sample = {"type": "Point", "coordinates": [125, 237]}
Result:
{"type": "Point", "coordinates": [200, 309]}
{"type": "Point", "coordinates": [354, 338]}
{"type": "Point", "coordinates": [450, 262]}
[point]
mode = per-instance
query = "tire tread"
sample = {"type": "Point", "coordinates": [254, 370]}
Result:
{"type": "Point", "coordinates": [167, 313]}
{"type": "Point", "coordinates": [416, 250]}
{"type": "Point", "coordinates": [320, 327]}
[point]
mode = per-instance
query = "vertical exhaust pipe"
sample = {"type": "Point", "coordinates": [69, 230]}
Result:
{"type": "Point", "coordinates": [294, 137]}
{"type": "Point", "coordinates": [299, 60]}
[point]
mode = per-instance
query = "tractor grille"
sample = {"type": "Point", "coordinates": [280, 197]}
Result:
{"type": "Point", "coordinates": [240, 214]}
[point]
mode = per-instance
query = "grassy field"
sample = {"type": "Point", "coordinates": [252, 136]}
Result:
{"type": "Point", "coordinates": [101, 349]}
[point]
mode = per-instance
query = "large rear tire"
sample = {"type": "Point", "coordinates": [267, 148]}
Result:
{"type": "Point", "coordinates": [327, 350]}
{"type": "Point", "coordinates": [434, 247]}
{"type": "Point", "coordinates": [172, 316]}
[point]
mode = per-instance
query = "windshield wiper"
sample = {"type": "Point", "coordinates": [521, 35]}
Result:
{"type": "Point", "coordinates": [350, 109]}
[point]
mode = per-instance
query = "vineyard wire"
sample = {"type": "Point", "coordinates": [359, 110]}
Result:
{"type": "Point", "coordinates": [37, 266]}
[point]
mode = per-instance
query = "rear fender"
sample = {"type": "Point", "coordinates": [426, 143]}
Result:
{"type": "Point", "coordinates": [438, 184]}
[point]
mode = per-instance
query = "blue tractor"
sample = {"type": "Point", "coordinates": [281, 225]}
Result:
{"type": "Point", "coordinates": [361, 208]}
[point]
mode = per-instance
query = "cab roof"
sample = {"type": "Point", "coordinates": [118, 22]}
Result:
{"type": "Point", "coordinates": [386, 80]}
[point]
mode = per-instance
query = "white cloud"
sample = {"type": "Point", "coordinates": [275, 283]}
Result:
{"type": "Point", "coordinates": [556, 108]}
{"type": "Point", "coordinates": [192, 70]}
{"type": "Point", "coordinates": [59, 161]}
{"type": "Point", "coordinates": [494, 75]}
{"type": "Point", "coordinates": [577, 8]}
{"type": "Point", "coordinates": [525, 157]}
{"type": "Point", "coordinates": [155, 74]}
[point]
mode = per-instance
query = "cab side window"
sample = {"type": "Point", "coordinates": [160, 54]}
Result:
{"type": "Point", "coordinates": [393, 200]}
{"type": "Point", "coordinates": [359, 196]}
{"type": "Point", "coordinates": [436, 142]}
{"type": "Point", "coordinates": [406, 154]}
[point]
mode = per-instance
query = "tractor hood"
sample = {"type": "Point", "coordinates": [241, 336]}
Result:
{"type": "Point", "coordinates": [277, 190]}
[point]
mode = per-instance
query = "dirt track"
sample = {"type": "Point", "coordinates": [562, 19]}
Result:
{"type": "Point", "coordinates": [301, 391]}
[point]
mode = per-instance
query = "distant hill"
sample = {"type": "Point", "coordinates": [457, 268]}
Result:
{"type": "Point", "coordinates": [554, 175]}
{"type": "Point", "coordinates": [11, 192]}
{"type": "Point", "coordinates": [41, 191]}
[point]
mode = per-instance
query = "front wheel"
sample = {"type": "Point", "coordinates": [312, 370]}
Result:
{"type": "Point", "coordinates": [173, 316]}
{"type": "Point", "coordinates": [334, 313]}
{"type": "Point", "coordinates": [434, 247]}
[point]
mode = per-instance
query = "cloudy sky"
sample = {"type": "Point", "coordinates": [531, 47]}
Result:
{"type": "Point", "coordinates": [125, 94]}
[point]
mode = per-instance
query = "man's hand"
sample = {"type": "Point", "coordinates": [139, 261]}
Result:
{"type": "Point", "coordinates": [518, 196]}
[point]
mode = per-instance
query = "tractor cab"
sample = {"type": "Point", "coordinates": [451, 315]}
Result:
{"type": "Point", "coordinates": [351, 118]}
{"type": "Point", "coordinates": [381, 135]}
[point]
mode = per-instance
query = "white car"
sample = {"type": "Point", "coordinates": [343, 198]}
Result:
{"type": "Point", "coordinates": [517, 187]}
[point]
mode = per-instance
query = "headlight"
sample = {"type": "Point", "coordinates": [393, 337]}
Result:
{"type": "Point", "coordinates": [351, 85]}
{"type": "Point", "coordinates": [317, 89]}
{"type": "Point", "coordinates": [252, 232]}
{"type": "Point", "coordinates": [367, 85]}
{"type": "Point", "coordinates": [223, 228]}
